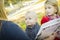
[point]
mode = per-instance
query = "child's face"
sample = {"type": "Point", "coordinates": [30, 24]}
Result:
{"type": "Point", "coordinates": [30, 20]}
{"type": "Point", "coordinates": [50, 9]}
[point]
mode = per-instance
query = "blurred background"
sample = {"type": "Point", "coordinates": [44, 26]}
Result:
{"type": "Point", "coordinates": [14, 10]}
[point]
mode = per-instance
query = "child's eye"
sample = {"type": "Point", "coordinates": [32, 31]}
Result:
{"type": "Point", "coordinates": [45, 8]}
{"type": "Point", "coordinates": [26, 19]}
{"type": "Point", "coordinates": [49, 7]}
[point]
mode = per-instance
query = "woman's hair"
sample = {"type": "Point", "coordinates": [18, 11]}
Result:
{"type": "Point", "coordinates": [55, 4]}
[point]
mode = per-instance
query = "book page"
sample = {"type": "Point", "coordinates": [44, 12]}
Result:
{"type": "Point", "coordinates": [48, 28]}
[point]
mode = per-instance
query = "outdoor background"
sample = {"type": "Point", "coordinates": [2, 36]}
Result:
{"type": "Point", "coordinates": [14, 10]}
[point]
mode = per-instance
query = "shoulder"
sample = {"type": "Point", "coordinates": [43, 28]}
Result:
{"type": "Point", "coordinates": [38, 26]}
{"type": "Point", "coordinates": [10, 26]}
{"type": "Point", "coordinates": [44, 19]}
{"type": "Point", "coordinates": [9, 23]}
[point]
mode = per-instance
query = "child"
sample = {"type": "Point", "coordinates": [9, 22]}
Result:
{"type": "Point", "coordinates": [32, 25]}
{"type": "Point", "coordinates": [51, 12]}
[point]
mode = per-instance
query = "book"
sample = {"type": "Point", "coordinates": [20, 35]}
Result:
{"type": "Point", "coordinates": [48, 28]}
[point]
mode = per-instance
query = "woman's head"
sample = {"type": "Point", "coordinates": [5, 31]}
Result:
{"type": "Point", "coordinates": [51, 8]}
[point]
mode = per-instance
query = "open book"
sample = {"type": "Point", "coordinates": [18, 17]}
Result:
{"type": "Point", "coordinates": [48, 28]}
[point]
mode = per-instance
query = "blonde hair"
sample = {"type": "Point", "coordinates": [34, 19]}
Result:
{"type": "Point", "coordinates": [3, 15]}
{"type": "Point", "coordinates": [31, 13]}
{"type": "Point", "coordinates": [53, 3]}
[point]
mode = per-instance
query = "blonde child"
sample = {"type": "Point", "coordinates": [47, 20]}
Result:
{"type": "Point", "coordinates": [32, 27]}
{"type": "Point", "coordinates": [51, 8]}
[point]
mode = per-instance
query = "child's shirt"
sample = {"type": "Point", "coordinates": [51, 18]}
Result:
{"type": "Point", "coordinates": [44, 19]}
{"type": "Point", "coordinates": [47, 18]}
{"type": "Point", "coordinates": [32, 32]}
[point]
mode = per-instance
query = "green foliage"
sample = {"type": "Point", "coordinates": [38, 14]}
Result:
{"type": "Point", "coordinates": [22, 25]}
{"type": "Point", "coordinates": [7, 2]}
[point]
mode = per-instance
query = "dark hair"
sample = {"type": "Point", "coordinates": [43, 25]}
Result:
{"type": "Point", "coordinates": [0, 24]}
